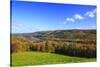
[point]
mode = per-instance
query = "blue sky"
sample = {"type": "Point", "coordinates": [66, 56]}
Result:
{"type": "Point", "coordinates": [36, 16]}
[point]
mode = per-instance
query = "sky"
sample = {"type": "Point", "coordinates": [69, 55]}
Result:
{"type": "Point", "coordinates": [38, 16]}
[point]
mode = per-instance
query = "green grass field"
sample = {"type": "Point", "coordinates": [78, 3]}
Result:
{"type": "Point", "coordinates": [39, 58]}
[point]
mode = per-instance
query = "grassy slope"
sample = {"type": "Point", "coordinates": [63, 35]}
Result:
{"type": "Point", "coordinates": [37, 58]}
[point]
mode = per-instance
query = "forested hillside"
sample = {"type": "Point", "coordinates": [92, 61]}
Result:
{"type": "Point", "coordinates": [80, 43]}
{"type": "Point", "coordinates": [62, 34]}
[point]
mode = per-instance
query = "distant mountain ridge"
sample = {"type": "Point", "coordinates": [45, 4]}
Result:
{"type": "Point", "coordinates": [61, 34]}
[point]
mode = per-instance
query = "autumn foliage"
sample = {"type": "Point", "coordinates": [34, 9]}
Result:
{"type": "Point", "coordinates": [79, 48]}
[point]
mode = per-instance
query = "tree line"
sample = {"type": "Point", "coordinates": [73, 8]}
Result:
{"type": "Point", "coordinates": [21, 44]}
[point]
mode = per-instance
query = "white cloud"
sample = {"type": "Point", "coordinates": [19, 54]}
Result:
{"type": "Point", "coordinates": [65, 22]}
{"type": "Point", "coordinates": [78, 17]}
{"type": "Point", "coordinates": [91, 14]}
{"type": "Point", "coordinates": [75, 17]}
{"type": "Point", "coordinates": [70, 19]}
{"type": "Point", "coordinates": [94, 11]}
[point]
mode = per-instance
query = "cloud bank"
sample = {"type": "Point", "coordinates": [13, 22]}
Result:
{"type": "Point", "coordinates": [75, 17]}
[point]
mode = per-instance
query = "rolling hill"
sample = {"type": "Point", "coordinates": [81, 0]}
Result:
{"type": "Point", "coordinates": [61, 34]}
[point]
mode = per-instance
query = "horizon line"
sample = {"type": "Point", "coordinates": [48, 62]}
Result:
{"type": "Point", "coordinates": [49, 30]}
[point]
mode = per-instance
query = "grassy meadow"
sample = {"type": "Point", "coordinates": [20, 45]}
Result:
{"type": "Point", "coordinates": [40, 58]}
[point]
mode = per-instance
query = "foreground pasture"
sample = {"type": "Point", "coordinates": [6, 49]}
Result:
{"type": "Point", "coordinates": [40, 58]}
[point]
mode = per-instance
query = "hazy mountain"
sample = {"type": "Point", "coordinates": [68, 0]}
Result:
{"type": "Point", "coordinates": [61, 34]}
